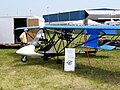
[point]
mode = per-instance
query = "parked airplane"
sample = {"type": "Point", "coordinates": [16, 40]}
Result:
{"type": "Point", "coordinates": [53, 45]}
{"type": "Point", "coordinates": [112, 21]}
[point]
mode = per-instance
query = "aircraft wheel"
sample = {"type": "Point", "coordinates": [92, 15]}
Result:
{"type": "Point", "coordinates": [24, 59]}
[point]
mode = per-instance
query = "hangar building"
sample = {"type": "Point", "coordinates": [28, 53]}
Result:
{"type": "Point", "coordinates": [99, 15]}
{"type": "Point", "coordinates": [8, 24]}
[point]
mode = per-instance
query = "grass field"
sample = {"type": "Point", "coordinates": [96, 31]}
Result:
{"type": "Point", "coordinates": [37, 74]}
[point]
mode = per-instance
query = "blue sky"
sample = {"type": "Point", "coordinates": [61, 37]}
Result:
{"type": "Point", "coordinates": [41, 7]}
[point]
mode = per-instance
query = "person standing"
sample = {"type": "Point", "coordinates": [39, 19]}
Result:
{"type": "Point", "coordinates": [23, 37]}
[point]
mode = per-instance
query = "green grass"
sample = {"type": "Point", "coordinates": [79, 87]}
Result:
{"type": "Point", "coordinates": [36, 74]}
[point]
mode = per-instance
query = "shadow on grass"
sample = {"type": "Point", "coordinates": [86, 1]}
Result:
{"type": "Point", "coordinates": [94, 73]}
{"type": "Point", "coordinates": [93, 56]}
{"type": "Point", "coordinates": [9, 47]}
{"type": "Point", "coordinates": [97, 74]}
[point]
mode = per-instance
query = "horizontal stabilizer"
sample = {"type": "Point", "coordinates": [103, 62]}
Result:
{"type": "Point", "coordinates": [106, 47]}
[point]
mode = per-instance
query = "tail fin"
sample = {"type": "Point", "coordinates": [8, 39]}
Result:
{"type": "Point", "coordinates": [92, 41]}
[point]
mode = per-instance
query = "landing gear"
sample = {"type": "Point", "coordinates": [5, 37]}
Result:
{"type": "Point", "coordinates": [24, 58]}
{"type": "Point", "coordinates": [45, 58]}
{"type": "Point", "coordinates": [59, 61]}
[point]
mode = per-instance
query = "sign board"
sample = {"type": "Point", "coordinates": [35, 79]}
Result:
{"type": "Point", "coordinates": [69, 64]}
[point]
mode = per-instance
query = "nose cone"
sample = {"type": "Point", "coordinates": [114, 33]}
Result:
{"type": "Point", "coordinates": [27, 50]}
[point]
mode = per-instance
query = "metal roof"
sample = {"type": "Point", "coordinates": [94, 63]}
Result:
{"type": "Point", "coordinates": [103, 9]}
{"type": "Point", "coordinates": [93, 14]}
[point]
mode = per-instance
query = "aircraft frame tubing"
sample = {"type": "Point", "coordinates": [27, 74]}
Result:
{"type": "Point", "coordinates": [69, 42]}
{"type": "Point", "coordinates": [52, 41]}
{"type": "Point", "coordinates": [61, 51]}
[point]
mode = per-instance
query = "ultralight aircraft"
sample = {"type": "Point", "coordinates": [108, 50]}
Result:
{"type": "Point", "coordinates": [51, 40]}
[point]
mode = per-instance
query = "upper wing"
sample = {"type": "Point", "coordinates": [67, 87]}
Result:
{"type": "Point", "coordinates": [83, 27]}
{"type": "Point", "coordinates": [104, 29]}
{"type": "Point", "coordinates": [32, 27]}
{"type": "Point", "coordinates": [73, 27]}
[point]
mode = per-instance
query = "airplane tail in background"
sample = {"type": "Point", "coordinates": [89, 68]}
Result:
{"type": "Point", "coordinates": [93, 40]}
